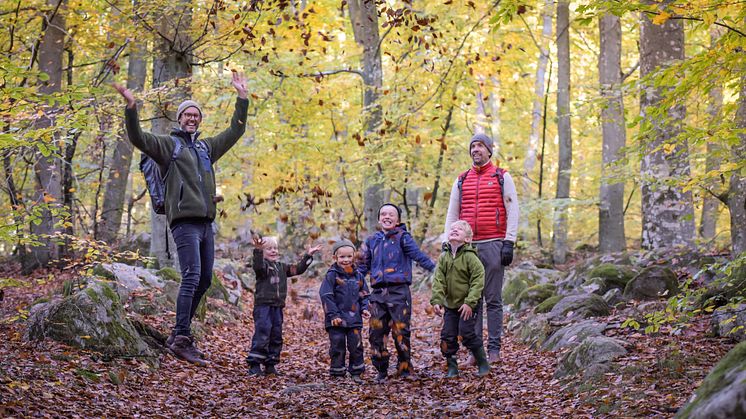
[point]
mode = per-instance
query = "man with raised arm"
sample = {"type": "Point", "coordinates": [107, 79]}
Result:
{"type": "Point", "coordinates": [190, 198]}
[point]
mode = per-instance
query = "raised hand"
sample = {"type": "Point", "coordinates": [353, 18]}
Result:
{"type": "Point", "coordinates": [126, 94]}
{"type": "Point", "coordinates": [314, 249]}
{"type": "Point", "coordinates": [239, 83]}
{"type": "Point", "coordinates": [258, 241]}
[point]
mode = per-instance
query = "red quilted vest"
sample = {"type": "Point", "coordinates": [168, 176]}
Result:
{"type": "Point", "coordinates": [482, 204]}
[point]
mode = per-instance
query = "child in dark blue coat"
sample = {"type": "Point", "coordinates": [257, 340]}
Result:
{"type": "Point", "coordinates": [388, 256]}
{"type": "Point", "coordinates": [344, 296]}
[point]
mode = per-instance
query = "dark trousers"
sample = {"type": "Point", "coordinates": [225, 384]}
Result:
{"type": "Point", "coordinates": [195, 246]}
{"type": "Point", "coordinates": [390, 311]}
{"type": "Point", "coordinates": [453, 327]}
{"type": "Point", "coordinates": [342, 340]}
{"type": "Point", "coordinates": [494, 271]}
{"type": "Point", "coordinates": [266, 344]}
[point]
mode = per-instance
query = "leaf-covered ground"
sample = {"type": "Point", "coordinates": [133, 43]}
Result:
{"type": "Point", "coordinates": [49, 379]}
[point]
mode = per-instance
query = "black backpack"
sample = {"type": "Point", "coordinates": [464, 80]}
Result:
{"type": "Point", "coordinates": [155, 180]}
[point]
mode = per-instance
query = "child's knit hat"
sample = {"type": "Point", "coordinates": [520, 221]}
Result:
{"type": "Point", "coordinates": [389, 204]}
{"type": "Point", "coordinates": [341, 243]}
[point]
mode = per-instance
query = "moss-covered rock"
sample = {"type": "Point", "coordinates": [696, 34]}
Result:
{"type": "Point", "coordinates": [101, 271]}
{"type": "Point", "coordinates": [651, 283]}
{"type": "Point", "coordinates": [169, 274]}
{"type": "Point", "coordinates": [547, 305]}
{"type": "Point", "coordinates": [591, 358]}
{"type": "Point", "coordinates": [608, 276]}
{"type": "Point", "coordinates": [512, 289]}
{"type": "Point", "coordinates": [580, 306]}
{"type": "Point", "coordinates": [534, 295]}
{"type": "Point", "coordinates": [722, 394]}
{"type": "Point", "coordinates": [573, 334]}
{"type": "Point", "coordinates": [217, 289]}
{"type": "Point", "coordinates": [730, 321]}
{"type": "Point", "coordinates": [534, 331]}
{"type": "Point", "coordinates": [91, 319]}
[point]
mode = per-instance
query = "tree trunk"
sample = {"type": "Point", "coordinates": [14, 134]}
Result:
{"type": "Point", "coordinates": [529, 164]}
{"type": "Point", "coordinates": [559, 236]}
{"type": "Point", "coordinates": [364, 19]}
{"type": "Point", "coordinates": [119, 169]}
{"type": "Point", "coordinates": [48, 169]}
{"type": "Point", "coordinates": [710, 204]}
{"type": "Point", "coordinates": [667, 210]}
{"type": "Point", "coordinates": [611, 198]}
{"type": "Point", "coordinates": [737, 190]}
{"type": "Point", "coordinates": [172, 61]}
{"type": "Point", "coordinates": [495, 111]}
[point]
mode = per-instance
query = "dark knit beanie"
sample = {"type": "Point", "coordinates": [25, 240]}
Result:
{"type": "Point", "coordinates": [188, 104]}
{"type": "Point", "coordinates": [482, 138]}
{"type": "Point", "coordinates": [341, 243]}
{"type": "Point", "coordinates": [388, 204]}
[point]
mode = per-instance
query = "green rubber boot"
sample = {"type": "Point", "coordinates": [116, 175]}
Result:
{"type": "Point", "coordinates": [452, 367]}
{"type": "Point", "coordinates": [482, 363]}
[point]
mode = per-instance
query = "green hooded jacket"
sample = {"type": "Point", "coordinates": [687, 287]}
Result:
{"type": "Point", "coordinates": [458, 279]}
{"type": "Point", "coordinates": [190, 183]}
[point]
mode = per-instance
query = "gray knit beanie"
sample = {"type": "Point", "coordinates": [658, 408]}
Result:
{"type": "Point", "coordinates": [341, 243]}
{"type": "Point", "coordinates": [188, 104]}
{"type": "Point", "coordinates": [482, 138]}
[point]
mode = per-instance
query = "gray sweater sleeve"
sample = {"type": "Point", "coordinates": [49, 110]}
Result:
{"type": "Point", "coordinates": [454, 206]}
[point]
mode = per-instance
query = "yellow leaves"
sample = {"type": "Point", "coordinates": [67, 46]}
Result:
{"type": "Point", "coordinates": [661, 18]}
{"type": "Point", "coordinates": [49, 198]}
{"type": "Point", "coordinates": [669, 148]}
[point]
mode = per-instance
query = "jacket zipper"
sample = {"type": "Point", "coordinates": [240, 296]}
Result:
{"type": "Point", "coordinates": [200, 179]}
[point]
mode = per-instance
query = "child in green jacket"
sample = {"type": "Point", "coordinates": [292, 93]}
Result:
{"type": "Point", "coordinates": [457, 288]}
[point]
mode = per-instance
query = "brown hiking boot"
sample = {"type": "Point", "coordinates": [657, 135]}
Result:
{"type": "Point", "coordinates": [183, 348]}
{"type": "Point", "coordinates": [170, 341]}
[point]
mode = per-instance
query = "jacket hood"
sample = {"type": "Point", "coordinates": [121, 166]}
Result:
{"type": "Point", "coordinates": [466, 247]}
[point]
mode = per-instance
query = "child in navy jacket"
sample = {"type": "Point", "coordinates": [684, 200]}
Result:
{"type": "Point", "coordinates": [388, 256]}
{"type": "Point", "coordinates": [344, 296]}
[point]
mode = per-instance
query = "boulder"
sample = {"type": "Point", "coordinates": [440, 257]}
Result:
{"type": "Point", "coordinates": [534, 331]}
{"type": "Point", "coordinates": [591, 358]}
{"type": "Point", "coordinates": [573, 334]}
{"type": "Point", "coordinates": [534, 295]}
{"type": "Point", "coordinates": [512, 289]}
{"type": "Point", "coordinates": [730, 321]}
{"type": "Point", "coordinates": [128, 278]}
{"type": "Point", "coordinates": [722, 394]}
{"type": "Point", "coordinates": [607, 276]}
{"type": "Point", "coordinates": [547, 305]}
{"type": "Point", "coordinates": [92, 318]}
{"type": "Point", "coordinates": [652, 283]}
{"type": "Point", "coordinates": [580, 306]}
{"type": "Point", "coordinates": [613, 297]}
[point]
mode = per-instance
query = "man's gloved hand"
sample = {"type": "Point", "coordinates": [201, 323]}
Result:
{"type": "Point", "coordinates": [506, 255]}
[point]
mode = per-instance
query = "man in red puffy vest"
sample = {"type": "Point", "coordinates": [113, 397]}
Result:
{"type": "Point", "coordinates": [485, 197]}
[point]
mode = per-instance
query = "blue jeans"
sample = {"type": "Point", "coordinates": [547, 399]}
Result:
{"type": "Point", "coordinates": [266, 345]}
{"type": "Point", "coordinates": [195, 246]}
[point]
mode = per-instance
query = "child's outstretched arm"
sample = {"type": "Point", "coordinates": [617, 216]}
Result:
{"type": "Point", "coordinates": [303, 264]}
{"type": "Point", "coordinates": [413, 251]}
{"type": "Point", "coordinates": [259, 267]}
{"type": "Point", "coordinates": [326, 292]}
{"type": "Point", "coordinates": [364, 297]}
{"type": "Point", "coordinates": [365, 255]}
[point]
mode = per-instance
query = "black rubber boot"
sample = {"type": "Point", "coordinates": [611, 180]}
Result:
{"type": "Point", "coordinates": [270, 370]}
{"type": "Point", "coordinates": [482, 363]}
{"type": "Point", "coordinates": [452, 367]}
{"type": "Point", "coordinates": [381, 376]}
{"type": "Point", "coordinates": [255, 369]}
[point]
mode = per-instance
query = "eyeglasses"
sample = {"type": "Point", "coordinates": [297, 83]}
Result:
{"type": "Point", "coordinates": [191, 115]}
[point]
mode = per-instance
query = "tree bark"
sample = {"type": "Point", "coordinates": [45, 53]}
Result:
{"type": "Point", "coordinates": [172, 61]}
{"type": "Point", "coordinates": [737, 191]}
{"type": "Point", "coordinates": [611, 236]}
{"type": "Point", "coordinates": [710, 204]}
{"type": "Point", "coordinates": [564, 129]}
{"type": "Point", "coordinates": [48, 169]}
{"type": "Point", "coordinates": [364, 19]}
{"type": "Point", "coordinates": [119, 169]}
{"type": "Point", "coordinates": [667, 210]}
{"type": "Point", "coordinates": [529, 164]}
